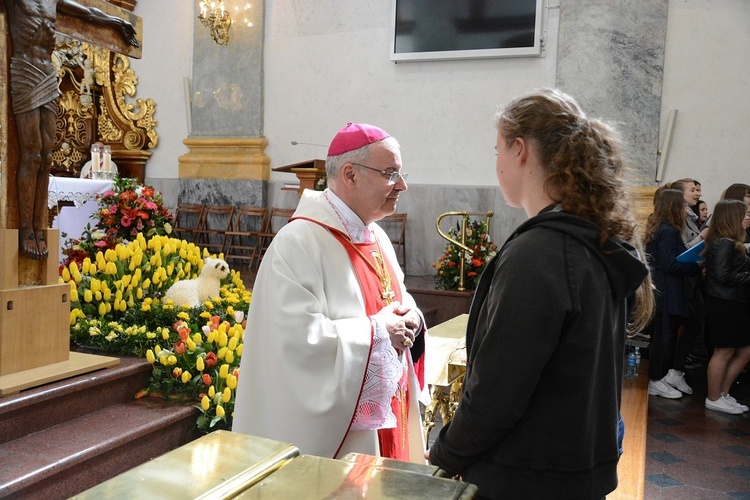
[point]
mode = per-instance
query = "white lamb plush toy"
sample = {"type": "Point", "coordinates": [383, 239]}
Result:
{"type": "Point", "coordinates": [206, 286]}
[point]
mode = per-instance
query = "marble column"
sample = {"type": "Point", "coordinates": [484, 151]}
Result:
{"type": "Point", "coordinates": [611, 59]}
{"type": "Point", "coordinates": [227, 164]}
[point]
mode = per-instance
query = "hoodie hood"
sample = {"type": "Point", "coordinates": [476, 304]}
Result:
{"type": "Point", "coordinates": [621, 260]}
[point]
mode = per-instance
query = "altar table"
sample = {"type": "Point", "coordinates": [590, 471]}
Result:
{"type": "Point", "coordinates": [75, 200]}
{"type": "Point", "coordinates": [445, 367]}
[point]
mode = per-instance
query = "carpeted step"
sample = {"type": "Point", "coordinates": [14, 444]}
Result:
{"type": "Point", "coordinates": [65, 459]}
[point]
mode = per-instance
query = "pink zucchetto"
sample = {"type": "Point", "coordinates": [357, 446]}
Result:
{"type": "Point", "coordinates": [355, 136]}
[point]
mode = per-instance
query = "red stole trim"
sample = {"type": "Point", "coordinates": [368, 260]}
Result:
{"type": "Point", "coordinates": [393, 442]}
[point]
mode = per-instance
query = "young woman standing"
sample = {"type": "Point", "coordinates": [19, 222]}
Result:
{"type": "Point", "coordinates": [727, 307]}
{"type": "Point", "coordinates": [546, 332]}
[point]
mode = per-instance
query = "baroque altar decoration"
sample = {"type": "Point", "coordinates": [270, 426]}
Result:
{"type": "Point", "coordinates": [118, 273]}
{"type": "Point", "coordinates": [96, 87]}
{"type": "Point", "coordinates": [448, 267]}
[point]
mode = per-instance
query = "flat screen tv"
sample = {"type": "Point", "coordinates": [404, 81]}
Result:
{"type": "Point", "coordinates": [465, 29]}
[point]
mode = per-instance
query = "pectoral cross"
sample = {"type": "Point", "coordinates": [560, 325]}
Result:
{"type": "Point", "coordinates": [384, 276]}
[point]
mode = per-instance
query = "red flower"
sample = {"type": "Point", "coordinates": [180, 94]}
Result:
{"type": "Point", "coordinates": [211, 359]}
{"type": "Point", "coordinates": [180, 347]}
{"type": "Point", "coordinates": [207, 378]}
{"type": "Point", "coordinates": [177, 372]}
{"type": "Point", "coordinates": [476, 262]}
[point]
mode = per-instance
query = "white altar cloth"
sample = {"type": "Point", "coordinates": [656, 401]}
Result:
{"type": "Point", "coordinates": [71, 221]}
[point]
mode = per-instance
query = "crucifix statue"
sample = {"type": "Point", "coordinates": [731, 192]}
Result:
{"type": "Point", "coordinates": [34, 94]}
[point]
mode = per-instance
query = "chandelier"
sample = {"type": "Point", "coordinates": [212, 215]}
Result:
{"type": "Point", "coordinates": [214, 17]}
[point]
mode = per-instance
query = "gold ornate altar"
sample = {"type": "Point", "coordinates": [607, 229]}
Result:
{"type": "Point", "coordinates": [445, 368]}
{"type": "Point", "coordinates": [226, 464]}
{"type": "Point", "coordinates": [96, 86]}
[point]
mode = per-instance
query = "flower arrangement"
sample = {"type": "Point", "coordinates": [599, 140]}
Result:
{"type": "Point", "coordinates": [130, 209]}
{"type": "Point", "coordinates": [127, 210]}
{"type": "Point", "coordinates": [118, 273]}
{"type": "Point", "coordinates": [449, 265]}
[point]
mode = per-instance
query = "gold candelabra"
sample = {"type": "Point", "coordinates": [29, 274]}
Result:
{"type": "Point", "coordinates": [217, 19]}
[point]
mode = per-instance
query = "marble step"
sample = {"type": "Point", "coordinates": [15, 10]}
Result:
{"type": "Point", "coordinates": [65, 459]}
{"type": "Point", "coordinates": [36, 409]}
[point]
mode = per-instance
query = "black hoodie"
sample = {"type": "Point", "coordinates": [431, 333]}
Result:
{"type": "Point", "coordinates": [541, 397]}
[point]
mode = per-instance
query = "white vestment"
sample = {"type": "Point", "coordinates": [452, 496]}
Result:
{"type": "Point", "coordinates": [307, 342]}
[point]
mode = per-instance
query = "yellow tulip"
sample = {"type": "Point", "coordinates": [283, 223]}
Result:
{"type": "Point", "coordinates": [139, 294]}
{"type": "Point", "coordinates": [183, 254]}
{"type": "Point", "coordinates": [97, 296]}
{"type": "Point", "coordinates": [73, 317]}
{"type": "Point", "coordinates": [74, 295]}
{"type": "Point", "coordinates": [110, 268]}
{"type": "Point", "coordinates": [110, 255]}
{"type": "Point", "coordinates": [78, 277]}
{"type": "Point", "coordinates": [102, 309]}
{"type": "Point", "coordinates": [73, 268]}
{"type": "Point", "coordinates": [205, 403]}
{"type": "Point", "coordinates": [224, 371]}
{"type": "Point", "coordinates": [157, 349]}
{"type": "Point", "coordinates": [107, 306]}
{"type": "Point", "coordinates": [219, 411]}
{"type": "Point", "coordinates": [197, 338]}
{"type": "Point", "coordinates": [172, 359]}
{"type": "Point", "coordinates": [186, 377]}
{"type": "Point", "coordinates": [96, 285]}
{"type": "Point", "coordinates": [233, 343]}
{"type": "Point", "coordinates": [229, 357]}
{"type": "Point", "coordinates": [86, 266]}
{"type": "Point", "coordinates": [150, 356]}
{"type": "Point", "coordinates": [227, 396]}
{"type": "Point", "coordinates": [200, 364]}
{"type": "Point", "coordinates": [190, 344]}
{"type": "Point", "coordinates": [87, 296]}
{"type": "Point", "coordinates": [126, 280]}
{"type": "Point", "coordinates": [239, 349]}
{"type": "Point", "coordinates": [165, 334]}
{"type": "Point", "coordinates": [231, 381]}
{"type": "Point", "coordinates": [146, 283]}
{"type": "Point", "coordinates": [66, 274]}
{"type": "Point", "coordinates": [107, 293]}
{"type": "Point", "coordinates": [221, 354]}
{"type": "Point", "coordinates": [211, 392]}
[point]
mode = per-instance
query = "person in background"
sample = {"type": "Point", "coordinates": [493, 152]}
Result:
{"type": "Point", "coordinates": [701, 210]}
{"type": "Point", "coordinates": [663, 244]}
{"type": "Point", "coordinates": [727, 306]}
{"type": "Point", "coordinates": [538, 414]}
{"type": "Point", "coordinates": [691, 334]}
{"type": "Point", "coordinates": [736, 191]}
{"type": "Point", "coordinates": [330, 349]}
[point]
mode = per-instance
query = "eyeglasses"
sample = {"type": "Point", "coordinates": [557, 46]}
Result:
{"type": "Point", "coordinates": [393, 177]}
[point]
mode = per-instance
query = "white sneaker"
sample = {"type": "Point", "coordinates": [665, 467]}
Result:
{"type": "Point", "coordinates": [736, 403]}
{"type": "Point", "coordinates": [676, 379]}
{"type": "Point", "coordinates": [663, 389]}
{"type": "Point", "coordinates": [723, 406]}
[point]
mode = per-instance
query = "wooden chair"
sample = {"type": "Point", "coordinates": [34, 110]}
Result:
{"type": "Point", "coordinates": [243, 241]}
{"type": "Point", "coordinates": [212, 231]}
{"type": "Point", "coordinates": [395, 227]}
{"type": "Point", "coordinates": [186, 220]}
{"type": "Point", "coordinates": [277, 218]}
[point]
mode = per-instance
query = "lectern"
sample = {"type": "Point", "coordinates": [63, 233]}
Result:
{"type": "Point", "coordinates": [308, 172]}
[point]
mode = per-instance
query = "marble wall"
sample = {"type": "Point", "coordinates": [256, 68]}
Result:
{"type": "Point", "coordinates": [611, 58]}
{"type": "Point", "coordinates": [227, 83]}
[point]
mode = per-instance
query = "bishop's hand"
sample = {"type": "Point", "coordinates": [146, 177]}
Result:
{"type": "Point", "coordinates": [400, 328]}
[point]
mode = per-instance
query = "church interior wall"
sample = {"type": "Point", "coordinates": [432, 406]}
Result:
{"type": "Point", "coordinates": [326, 63]}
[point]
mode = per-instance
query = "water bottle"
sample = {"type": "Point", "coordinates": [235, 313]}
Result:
{"type": "Point", "coordinates": [631, 362]}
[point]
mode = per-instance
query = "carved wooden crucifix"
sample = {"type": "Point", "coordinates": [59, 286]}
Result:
{"type": "Point", "coordinates": [32, 91]}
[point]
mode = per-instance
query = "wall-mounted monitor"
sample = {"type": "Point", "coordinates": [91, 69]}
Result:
{"type": "Point", "coordinates": [466, 29]}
